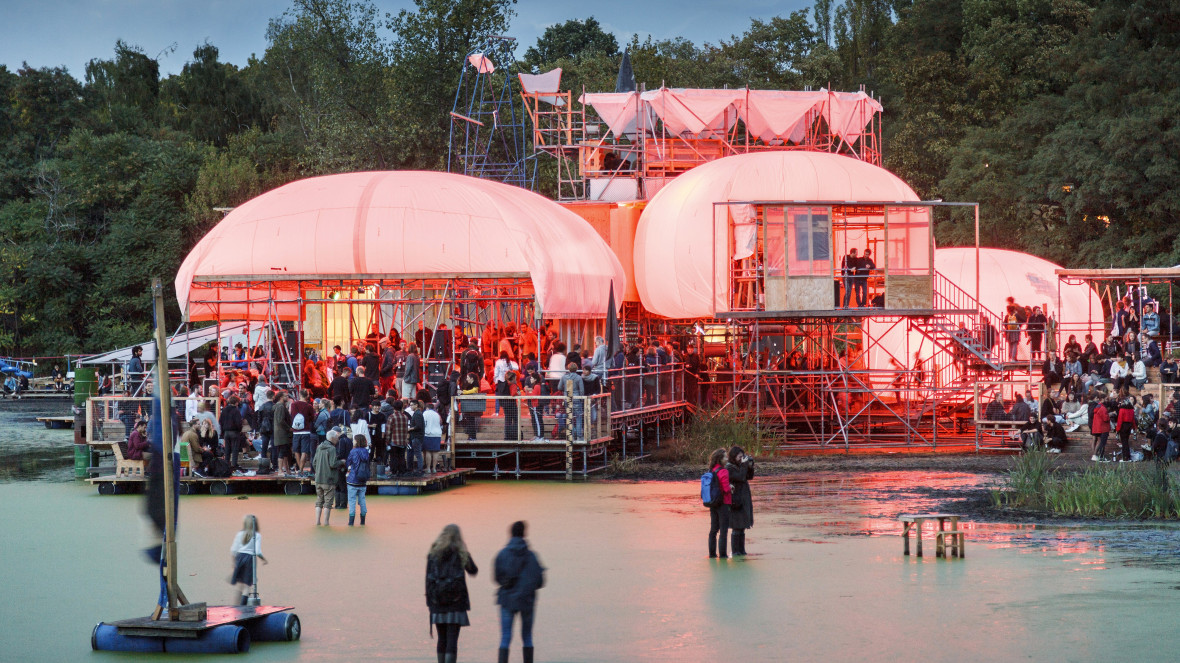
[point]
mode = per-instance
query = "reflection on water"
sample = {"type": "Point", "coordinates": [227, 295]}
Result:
{"type": "Point", "coordinates": [28, 450]}
{"type": "Point", "coordinates": [628, 578]}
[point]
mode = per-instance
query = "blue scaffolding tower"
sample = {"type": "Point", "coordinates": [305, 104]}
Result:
{"type": "Point", "coordinates": [488, 138]}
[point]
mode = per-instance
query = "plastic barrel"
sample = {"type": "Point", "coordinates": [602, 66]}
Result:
{"type": "Point", "coordinates": [81, 460]}
{"type": "Point", "coordinates": [275, 627]}
{"type": "Point", "coordinates": [107, 638]}
{"type": "Point", "coordinates": [85, 385]}
{"type": "Point", "coordinates": [225, 639]}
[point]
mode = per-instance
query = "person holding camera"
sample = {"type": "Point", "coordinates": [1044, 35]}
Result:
{"type": "Point", "coordinates": [741, 515]}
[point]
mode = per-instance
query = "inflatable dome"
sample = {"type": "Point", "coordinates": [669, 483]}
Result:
{"type": "Point", "coordinates": [387, 224]}
{"type": "Point", "coordinates": [676, 261]}
{"type": "Point", "coordinates": [1002, 273]}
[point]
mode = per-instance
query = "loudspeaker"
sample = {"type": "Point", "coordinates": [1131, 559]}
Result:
{"type": "Point", "coordinates": [295, 345]}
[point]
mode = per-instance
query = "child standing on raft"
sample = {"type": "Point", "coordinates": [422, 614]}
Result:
{"type": "Point", "coordinates": [246, 546]}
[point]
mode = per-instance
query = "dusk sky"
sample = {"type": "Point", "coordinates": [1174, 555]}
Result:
{"type": "Point", "coordinates": [71, 32]}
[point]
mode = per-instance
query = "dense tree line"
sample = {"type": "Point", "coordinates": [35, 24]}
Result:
{"type": "Point", "coordinates": [1059, 116]}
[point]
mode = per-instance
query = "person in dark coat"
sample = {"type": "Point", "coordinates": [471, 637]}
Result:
{"type": "Point", "coordinates": [446, 590]}
{"type": "Point", "coordinates": [741, 516]}
{"type": "Point", "coordinates": [231, 430]}
{"type": "Point", "coordinates": [519, 574]}
{"type": "Point", "coordinates": [343, 449]}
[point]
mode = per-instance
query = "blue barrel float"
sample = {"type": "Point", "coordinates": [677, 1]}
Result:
{"type": "Point", "coordinates": [225, 639]}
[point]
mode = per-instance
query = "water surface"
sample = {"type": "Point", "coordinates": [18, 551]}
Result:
{"type": "Point", "coordinates": [628, 576]}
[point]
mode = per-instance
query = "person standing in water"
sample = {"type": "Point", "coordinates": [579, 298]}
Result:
{"type": "Point", "coordinates": [519, 574]}
{"type": "Point", "coordinates": [741, 515]}
{"type": "Point", "coordinates": [447, 564]}
{"type": "Point", "coordinates": [246, 546]}
{"type": "Point", "coordinates": [719, 515]}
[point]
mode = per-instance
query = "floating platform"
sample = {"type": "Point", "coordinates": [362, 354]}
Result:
{"type": "Point", "coordinates": [224, 630]}
{"type": "Point", "coordinates": [57, 422]}
{"type": "Point", "coordinates": [41, 396]}
{"type": "Point", "coordinates": [289, 485]}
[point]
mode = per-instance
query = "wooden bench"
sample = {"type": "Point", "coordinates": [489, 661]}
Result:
{"type": "Point", "coordinates": [125, 467]}
{"type": "Point", "coordinates": [914, 522]}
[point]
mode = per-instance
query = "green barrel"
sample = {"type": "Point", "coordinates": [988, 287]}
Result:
{"type": "Point", "coordinates": [85, 385]}
{"type": "Point", "coordinates": [81, 460]}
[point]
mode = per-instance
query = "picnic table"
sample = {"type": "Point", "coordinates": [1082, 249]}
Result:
{"type": "Point", "coordinates": [957, 539]}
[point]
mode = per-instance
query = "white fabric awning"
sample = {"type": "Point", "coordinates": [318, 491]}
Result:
{"type": "Point", "coordinates": [774, 116]}
{"type": "Point", "coordinates": [549, 81]}
{"type": "Point", "coordinates": [178, 345]}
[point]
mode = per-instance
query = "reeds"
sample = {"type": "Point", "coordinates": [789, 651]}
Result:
{"type": "Point", "coordinates": [1139, 491]}
{"type": "Point", "coordinates": [708, 431]}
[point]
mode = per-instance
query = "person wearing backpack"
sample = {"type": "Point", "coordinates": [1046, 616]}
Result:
{"type": "Point", "coordinates": [302, 424]}
{"type": "Point", "coordinates": [741, 515]}
{"type": "Point", "coordinates": [358, 478]}
{"type": "Point", "coordinates": [519, 574]}
{"type": "Point", "coordinates": [446, 590]}
{"type": "Point", "coordinates": [718, 499]}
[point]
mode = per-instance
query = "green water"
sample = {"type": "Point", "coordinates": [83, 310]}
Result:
{"type": "Point", "coordinates": [628, 576]}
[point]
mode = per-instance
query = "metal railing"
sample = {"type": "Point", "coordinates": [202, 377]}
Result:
{"type": "Point", "coordinates": [641, 386]}
{"type": "Point", "coordinates": [111, 419]}
{"type": "Point", "coordinates": [530, 419]}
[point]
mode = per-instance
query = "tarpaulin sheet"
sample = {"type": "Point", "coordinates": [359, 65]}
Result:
{"type": "Point", "coordinates": [549, 81]}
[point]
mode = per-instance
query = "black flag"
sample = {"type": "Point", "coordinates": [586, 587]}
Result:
{"type": "Point", "coordinates": [626, 80]}
{"type": "Point", "coordinates": [613, 344]}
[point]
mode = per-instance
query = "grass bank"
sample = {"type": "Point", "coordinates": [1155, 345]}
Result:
{"type": "Point", "coordinates": [1105, 490]}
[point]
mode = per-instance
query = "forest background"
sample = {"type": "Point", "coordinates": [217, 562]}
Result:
{"type": "Point", "coordinates": [1060, 117]}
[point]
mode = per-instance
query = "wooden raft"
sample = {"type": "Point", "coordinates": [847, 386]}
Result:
{"type": "Point", "coordinates": [218, 615]}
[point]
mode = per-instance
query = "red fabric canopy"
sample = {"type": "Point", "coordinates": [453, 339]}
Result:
{"type": "Point", "coordinates": [359, 225]}
{"type": "Point", "coordinates": [678, 250]}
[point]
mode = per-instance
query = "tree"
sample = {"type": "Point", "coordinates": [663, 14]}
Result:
{"type": "Point", "coordinates": [211, 100]}
{"type": "Point", "coordinates": [572, 40]}
{"type": "Point", "coordinates": [327, 68]}
{"type": "Point", "coordinates": [772, 54]}
{"type": "Point", "coordinates": [124, 92]}
{"type": "Point", "coordinates": [428, 51]}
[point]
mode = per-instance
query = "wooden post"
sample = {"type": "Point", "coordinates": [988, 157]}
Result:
{"type": "Point", "coordinates": [175, 596]}
{"type": "Point", "coordinates": [569, 431]}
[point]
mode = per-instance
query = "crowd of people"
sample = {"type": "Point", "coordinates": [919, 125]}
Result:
{"type": "Point", "coordinates": [400, 401]}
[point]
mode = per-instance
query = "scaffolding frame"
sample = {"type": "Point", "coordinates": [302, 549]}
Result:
{"type": "Point", "coordinates": [488, 138]}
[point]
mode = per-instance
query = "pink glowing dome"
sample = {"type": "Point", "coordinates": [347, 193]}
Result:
{"type": "Point", "coordinates": [1002, 274]}
{"type": "Point", "coordinates": [389, 224]}
{"type": "Point", "coordinates": [681, 264]}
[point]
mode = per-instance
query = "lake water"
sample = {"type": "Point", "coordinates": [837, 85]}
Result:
{"type": "Point", "coordinates": [628, 577]}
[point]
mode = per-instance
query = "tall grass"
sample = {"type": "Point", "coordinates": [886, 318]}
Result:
{"type": "Point", "coordinates": [1137, 491]}
{"type": "Point", "coordinates": [708, 431]}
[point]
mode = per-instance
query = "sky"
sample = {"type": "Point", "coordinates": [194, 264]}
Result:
{"type": "Point", "coordinates": [72, 32]}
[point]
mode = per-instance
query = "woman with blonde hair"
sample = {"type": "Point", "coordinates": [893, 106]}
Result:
{"type": "Point", "coordinates": [447, 564]}
{"type": "Point", "coordinates": [247, 545]}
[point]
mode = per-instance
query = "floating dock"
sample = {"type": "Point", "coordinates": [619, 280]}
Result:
{"type": "Point", "coordinates": [66, 422]}
{"type": "Point", "coordinates": [289, 485]}
{"type": "Point", "coordinates": [224, 630]}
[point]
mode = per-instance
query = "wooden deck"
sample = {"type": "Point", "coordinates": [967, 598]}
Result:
{"type": "Point", "coordinates": [289, 485]}
{"type": "Point", "coordinates": [218, 615]}
{"type": "Point", "coordinates": [57, 422]}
